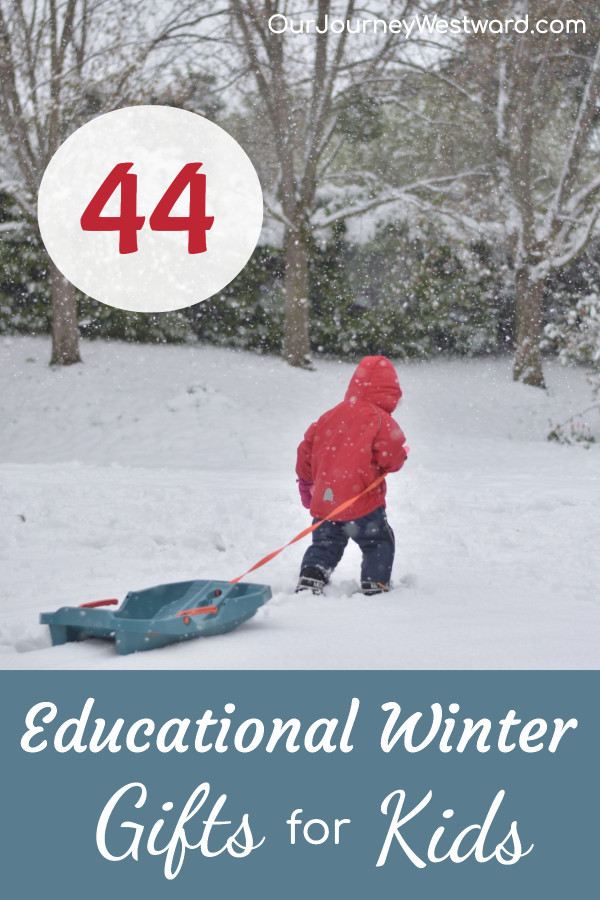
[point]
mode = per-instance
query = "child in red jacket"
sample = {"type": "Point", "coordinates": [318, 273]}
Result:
{"type": "Point", "coordinates": [343, 453]}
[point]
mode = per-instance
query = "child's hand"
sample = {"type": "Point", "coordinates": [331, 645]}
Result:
{"type": "Point", "coordinates": [306, 491]}
{"type": "Point", "coordinates": [406, 449]}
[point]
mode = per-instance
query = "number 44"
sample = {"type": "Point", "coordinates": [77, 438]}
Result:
{"type": "Point", "coordinates": [128, 223]}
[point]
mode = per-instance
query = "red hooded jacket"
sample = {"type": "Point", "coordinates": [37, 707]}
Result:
{"type": "Point", "coordinates": [355, 442]}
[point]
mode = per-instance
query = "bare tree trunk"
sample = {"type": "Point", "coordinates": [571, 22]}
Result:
{"type": "Point", "coordinates": [296, 344]}
{"type": "Point", "coordinates": [301, 94]}
{"type": "Point", "coordinates": [65, 333]}
{"type": "Point", "coordinates": [528, 357]}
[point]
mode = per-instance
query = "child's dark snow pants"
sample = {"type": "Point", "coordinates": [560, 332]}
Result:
{"type": "Point", "coordinates": [373, 535]}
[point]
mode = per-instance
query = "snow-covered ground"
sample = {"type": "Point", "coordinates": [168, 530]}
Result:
{"type": "Point", "coordinates": [147, 465]}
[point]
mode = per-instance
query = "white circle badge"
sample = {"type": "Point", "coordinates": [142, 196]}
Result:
{"type": "Point", "coordinates": [150, 208]}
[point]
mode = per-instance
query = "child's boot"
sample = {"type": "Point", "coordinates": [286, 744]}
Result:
{"type": "Point", "coordinates": [311, 579]}
{"type": "Point", "coordinates": [373, 587]}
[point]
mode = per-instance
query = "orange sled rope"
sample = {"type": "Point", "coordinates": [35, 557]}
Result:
{"type": "Point", "coordinates": [310, 528]}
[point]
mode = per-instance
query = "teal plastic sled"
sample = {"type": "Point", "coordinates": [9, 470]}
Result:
{"type": "Point", "coordinates": [160, 615]}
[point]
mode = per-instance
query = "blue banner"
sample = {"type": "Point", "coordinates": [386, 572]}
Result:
{"type": "Point", "coordinates": [300, 784]}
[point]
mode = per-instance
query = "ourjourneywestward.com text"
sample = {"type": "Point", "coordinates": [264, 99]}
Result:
{"type": "Point", "coordinates": [425, 25]}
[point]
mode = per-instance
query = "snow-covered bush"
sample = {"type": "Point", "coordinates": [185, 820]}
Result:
{"type": "Point", "coordinates": [577, 339]}
{"type": "Point", "coordinates": [24, 291]}
{"type": "Point", "coordinates": [97, 320]}
{"type": "Point", "coordinates": [422, 295]}
{"type": "Point", "coordinates": [248, 312]}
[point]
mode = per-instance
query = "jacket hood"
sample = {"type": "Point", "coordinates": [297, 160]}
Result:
{"type": "Point", "coordinates": [375, 381]}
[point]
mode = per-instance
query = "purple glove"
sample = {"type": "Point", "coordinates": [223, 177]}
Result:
{"type": "Point", "coordinates": [306, 489]}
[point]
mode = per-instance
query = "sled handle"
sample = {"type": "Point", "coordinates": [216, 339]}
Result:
{"type": "Point", "coordinates": [93, 603]}
{"type": "Point", "coordinates": [198, 610]}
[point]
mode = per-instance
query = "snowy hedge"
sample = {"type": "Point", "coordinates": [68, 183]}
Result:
{"type": "Point", "coordinates": [402, 294]}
